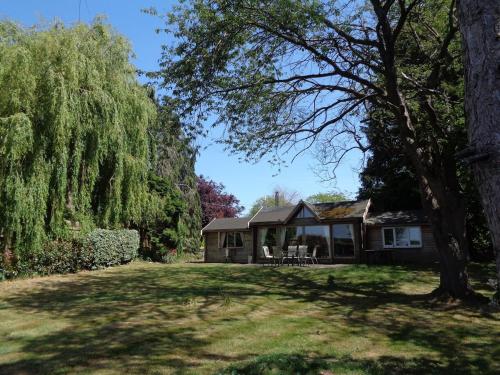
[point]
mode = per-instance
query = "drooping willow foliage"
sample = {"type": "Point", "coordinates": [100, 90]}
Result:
{"type": "Point", "coordinates": [74, 145]}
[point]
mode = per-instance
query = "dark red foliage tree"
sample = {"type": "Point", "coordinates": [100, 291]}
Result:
{"type": "Point", "coordinates": [215, 202]}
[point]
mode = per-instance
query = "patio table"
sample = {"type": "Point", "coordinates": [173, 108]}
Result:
{"type": "Point", "coordinates": [290, 255]}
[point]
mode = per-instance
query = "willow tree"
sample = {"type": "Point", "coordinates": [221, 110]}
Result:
{"type": "Point", "coordinates": [289, 74]}
{"type": "Point", "coordinates": [73, 133]}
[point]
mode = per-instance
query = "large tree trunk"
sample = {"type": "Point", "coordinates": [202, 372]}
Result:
{"type": "Point", "coordinates": [480, 28]}
{"type": "Point", "coordinates": [443, 205]}
{"type": "Point", "coordinates": [446, 211]}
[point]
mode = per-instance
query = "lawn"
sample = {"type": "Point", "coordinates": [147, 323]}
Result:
{"type": "Point", "coordinates": [206, 319]}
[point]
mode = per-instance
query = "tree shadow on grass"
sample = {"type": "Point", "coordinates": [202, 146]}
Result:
{"type": "Point", "coordinates": [375, 305]}
{"type": "Point", "coordinates": [292, 364]}
{"type": "Point", "coordinates": [129, 321]}
{"type": "Point", "coordinates": [142, 318]}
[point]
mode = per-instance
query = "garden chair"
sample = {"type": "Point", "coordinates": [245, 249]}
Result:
{"type": "Point", "coordinates": [268, 258]}
{"type": "Point", "coordinates": [312, 257]}
{"type": "Point", "coordinates": [291, 254]}
{"type": "Point", "coordinates": [228, 255]}
{"type": "Point", "coordinates": [278, 254]}
{"type": "Point", "coordinates": [302, 254]}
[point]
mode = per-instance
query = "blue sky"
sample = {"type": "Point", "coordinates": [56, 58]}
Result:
{"type": "Point", "coordinates": [247, 181]}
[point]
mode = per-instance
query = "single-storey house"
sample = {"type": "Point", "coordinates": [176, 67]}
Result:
{"type": "Point", "coordinates": [337, 232]}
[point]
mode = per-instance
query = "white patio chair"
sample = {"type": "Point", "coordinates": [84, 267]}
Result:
{"type": "Point", "coordinates": [268, 258]}
{"type": "Point", "coordinates": [277, 254]}
{"type": "Point", "coordinates": [291, 254]}
{"type": "Point", "coordinates": [302, 254]}
{"type": "Point", "coordinates": [313, 256]}
{"type": "Point", "coordinates": [228, 255]}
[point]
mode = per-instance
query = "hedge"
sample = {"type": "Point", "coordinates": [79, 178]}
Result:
{"type": "Point", "coordinates": [104, 248]}
{"type": "Point", "coordinates": [56, 257]}
{"type": "Point", "coordinates": [99, 249]}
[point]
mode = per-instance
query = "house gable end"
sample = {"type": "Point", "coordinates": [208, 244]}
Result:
{"type": "Point", "coordinates": [302, 210]}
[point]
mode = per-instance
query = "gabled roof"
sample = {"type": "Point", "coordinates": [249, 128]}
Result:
{"type": "Point", "coordinates": [299, 206]}
{"type": "Point", "coordinates": [397, 217]}
{"type": "Point", "coordinates": [282, 215]}
{"type": "Point", "coordinates": [274, 215]}
{"type": "Point", "coordinates": [236, 223]}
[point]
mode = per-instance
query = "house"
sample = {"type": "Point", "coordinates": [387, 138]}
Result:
{"type": "Point", "coordinates": [338, 232]}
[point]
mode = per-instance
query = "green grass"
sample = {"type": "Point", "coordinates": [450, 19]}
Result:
{"type": "Point", "coordinates": [206, 319]}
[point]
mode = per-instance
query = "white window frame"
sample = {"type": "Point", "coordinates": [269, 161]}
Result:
{"type": "Point", "coordinates": [394, 245]}
{"type": "Point", "coordinates": [234, 234]}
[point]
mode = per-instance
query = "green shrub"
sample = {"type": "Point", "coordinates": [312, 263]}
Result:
{"type": "Point", "coordinates": [104, 248]}
{"type": "Point", "coordinates": [100, 248]}
{"type": "Point", "coordinates": [56, 257]}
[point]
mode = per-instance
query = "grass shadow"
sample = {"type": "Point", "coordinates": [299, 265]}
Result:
{"type": "Point", "coordinates": [145, 318]}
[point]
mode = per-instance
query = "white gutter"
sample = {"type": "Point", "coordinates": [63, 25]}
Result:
{"type": "Point", "coordinates": [207, 225]}
{"type": "Point", "coordinates": [253, 217]}
{"type": "Point", "coordinates": [365, 214]}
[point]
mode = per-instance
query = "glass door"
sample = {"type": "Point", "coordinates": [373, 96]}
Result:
{"type": "Point", "coordinates": [343, 240]}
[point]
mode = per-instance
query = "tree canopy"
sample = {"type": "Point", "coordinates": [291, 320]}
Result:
{"type": "Point", "coordinates": [288, 75]}
{"type": "Point", "coordinates": [84, 145]}
{"type": "Point", "coordinates": [286, 197]}
{"type": "Point", "coordinates": [326, 197]}
{"type": "Point", "coordinates": [73, 132]}
{"type": "Point", "coordinates": [173, 182]}
{"type": "Point", "coordinates": [215, 201]}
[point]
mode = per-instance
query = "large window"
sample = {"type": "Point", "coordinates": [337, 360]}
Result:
{"type": "Point", "coordinates": [304, 213]}
{"type": "Point", "coordinates": [270, 237]}
{"type": "Point", "coordinates": [230, 239]}
{"type": "Point", "coordinates": [402, 237]}
{"type": "Point", "coordinates": [318, 237]}
{"type": "Point", "coordinates": [293, 236]}
{"type": "Point", "coordinates": [314, 236]}
{"type": "Point", "coordinates": [343, 240]}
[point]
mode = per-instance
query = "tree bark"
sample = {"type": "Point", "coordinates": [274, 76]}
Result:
{"type": "Point", "coordinates": [442, 202]}
{"type": "Point", "coordinates": [479, 22]}
{"type": "Point", "coordinates": [446, 212]}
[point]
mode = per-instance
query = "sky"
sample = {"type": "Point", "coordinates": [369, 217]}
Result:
{"type": "Point", "coordinates": [246, 181]}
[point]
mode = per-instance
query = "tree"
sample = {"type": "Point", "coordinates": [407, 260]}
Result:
{"type": "Point", "coordinates": [173, 183]}
{"type": "Point", "coordinates": [480, 29]}
{"type": "Point", "coordinates": [215, 202]}
{"type": "Point", "coordinates": [326, 197]}
{"type": "Point", "coordinates": [74, 146]}
{"type": "Point", "coordinates": [388, 178]}
{"type": "Point", "coordinates": [280, 74]}
{"type": "Point", "coordinates": [285, 198]}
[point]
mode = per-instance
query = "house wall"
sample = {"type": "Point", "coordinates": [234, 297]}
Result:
{"type": "Point", "coordinates": [238, 255]}
{"type": "Point", "coordinates": [425, 254]}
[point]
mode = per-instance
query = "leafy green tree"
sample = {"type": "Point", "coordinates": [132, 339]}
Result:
{"type": "Point", "coordinates": [285, 198]}
{"type": "Point", "coordinates": [174, 163]}
{"type": "Point", "coordinates": [326, 197]}
{"type": "Point", "coordinates": [388, 178]}
{"type": "Point", "coordinates": [282, 75]}
{"type": "Point", "coordinates": [74, 147]}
